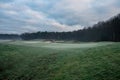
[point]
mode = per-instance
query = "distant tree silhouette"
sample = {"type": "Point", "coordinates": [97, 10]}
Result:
{"type": "Point", "coordinates": [10, 36]}
{"type": "Point", "coordinates": [102, 31]}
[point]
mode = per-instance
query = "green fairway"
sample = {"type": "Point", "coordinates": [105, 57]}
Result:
{"type": "Point", "coordinates": [40, 60]}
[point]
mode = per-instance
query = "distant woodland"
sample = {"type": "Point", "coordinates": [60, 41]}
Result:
{"type": "Point", "coordinates": [102, 31]}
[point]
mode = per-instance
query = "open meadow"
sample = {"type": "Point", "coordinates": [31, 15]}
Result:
{"type": "Point", "coordinates": [45, 60]}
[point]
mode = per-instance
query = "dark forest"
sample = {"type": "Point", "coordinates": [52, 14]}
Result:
{"type": "Point", "coordinates": [102, 31]}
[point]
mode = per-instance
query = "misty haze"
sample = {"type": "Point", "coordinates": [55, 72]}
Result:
{"type": "Point", "coordinates": [59, 40]}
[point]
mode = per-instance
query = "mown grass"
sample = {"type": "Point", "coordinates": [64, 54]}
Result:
{"type": "Point", "coordinates": [19, 62]}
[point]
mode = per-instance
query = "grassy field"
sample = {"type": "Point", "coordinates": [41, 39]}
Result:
{"type": "Point", "coordinates": [37, 60]}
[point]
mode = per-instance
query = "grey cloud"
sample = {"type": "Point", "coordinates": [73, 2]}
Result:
{"type": "Point", "coordinates": [43, 15]}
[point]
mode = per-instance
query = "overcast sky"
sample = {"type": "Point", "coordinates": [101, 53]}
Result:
{"type": "Point", "coordinates": [18, 16]}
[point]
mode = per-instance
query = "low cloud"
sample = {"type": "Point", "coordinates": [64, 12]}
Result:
{"type": "Point", "coordinates": [19, 16]}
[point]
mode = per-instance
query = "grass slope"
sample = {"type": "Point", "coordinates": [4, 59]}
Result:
{"type": "Point", "coordinates": [24, 61]}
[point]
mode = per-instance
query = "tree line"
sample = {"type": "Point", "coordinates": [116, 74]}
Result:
{"type": "Point", "coordinates": [102, 31]}
{"type": "Point", "coordinates": [10, 36]}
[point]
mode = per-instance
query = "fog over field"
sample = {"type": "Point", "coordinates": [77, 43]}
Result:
{"type": "Point", "coordinates": [40, 60]}
{"type": "Point", "coordinates": [59, 39]}
{"type": "Point", "coordinates": [54, 45]}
